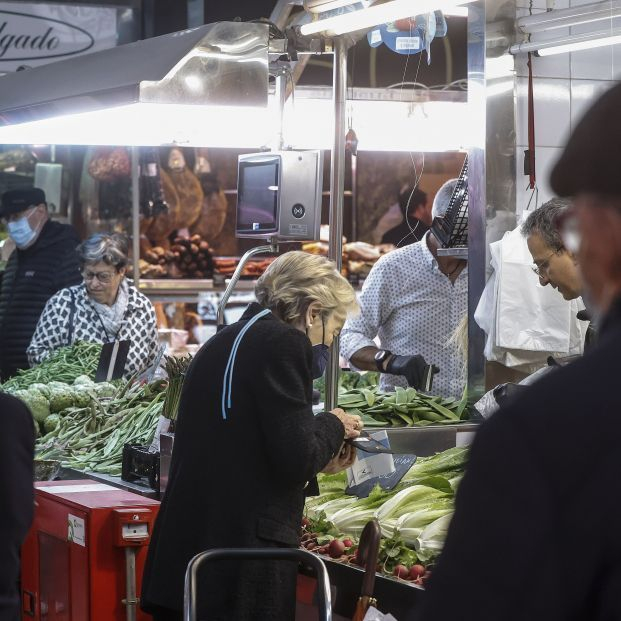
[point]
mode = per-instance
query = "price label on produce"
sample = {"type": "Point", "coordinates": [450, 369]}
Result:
{"type": "Point", "coordinates": [402, 463]}
{"type": "Point", "coordinates": [370, 466]}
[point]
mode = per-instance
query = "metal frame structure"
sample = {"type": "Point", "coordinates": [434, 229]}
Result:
{"type": "Point", "coordinates": [271, 554]}
{"type": "Point", "coordinates": [491, 158]}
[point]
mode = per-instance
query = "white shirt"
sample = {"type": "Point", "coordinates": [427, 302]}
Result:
{"type": "Point", "coordinates": [413, 308]}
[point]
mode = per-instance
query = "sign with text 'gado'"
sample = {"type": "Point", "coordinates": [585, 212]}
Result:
{"type": "Point", "coordinates": [36, 34]}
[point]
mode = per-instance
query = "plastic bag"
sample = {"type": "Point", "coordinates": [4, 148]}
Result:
{"type": "Point", "coordinates": [523, 321]}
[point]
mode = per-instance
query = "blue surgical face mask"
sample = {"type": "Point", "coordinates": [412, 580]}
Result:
{"type": "Point", "coordinates": [21, 232]}
{"type": "Point", "coordinates": [321, 353]}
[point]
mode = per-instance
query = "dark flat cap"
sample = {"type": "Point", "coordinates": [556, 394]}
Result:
{"type": "Point", "coordinates": [20, 199]}
{"type": "Point", "coordinates": [591, 161]}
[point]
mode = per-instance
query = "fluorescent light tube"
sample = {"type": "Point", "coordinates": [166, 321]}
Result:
{"type": "Point", "coordinates": [574, 16]}
{"type": "Point", "coordinates": [378, 14]}
{"type": "Point", "coordinates": [574, 43]}
{"type": "Point", "coordinates": [579, 45]}
{"type": "Point", "coordinates": [151, 124]}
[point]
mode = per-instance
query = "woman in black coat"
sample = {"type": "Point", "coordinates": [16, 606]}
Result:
{"type": "Point", "coordinates": [247, 446]}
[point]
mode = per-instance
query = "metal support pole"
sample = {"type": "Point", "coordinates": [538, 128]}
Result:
{"type": "Point", "coordinates": [337, 187]}
{"type": "Point", "coordinates": [130, 601]}
{"type": "Point", "coordinates": [135, 214]}
{"type": "Point", "coordinates": [281, 98]}
{"type": "Point", "coordinates": [272, 248]}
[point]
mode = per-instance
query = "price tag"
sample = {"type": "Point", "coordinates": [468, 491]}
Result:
{"type": "Point", "coordinates": [402, 463]}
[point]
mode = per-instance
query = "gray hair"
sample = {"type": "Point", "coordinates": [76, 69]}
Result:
{"type": "Point", "coordinates": [443, 198]}
{"type": "Point", "coordinates": [543, 221]}
{"type": "Point", "coordinates": [109, 249]}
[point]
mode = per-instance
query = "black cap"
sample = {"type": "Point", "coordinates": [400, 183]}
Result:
{"type": "Point", "coordinates": [591, 161]}
{"type": "Point", "coordinates": [20, 199]}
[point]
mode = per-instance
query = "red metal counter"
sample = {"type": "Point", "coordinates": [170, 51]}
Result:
{"type": "Point", "coordinates": [74, 558]}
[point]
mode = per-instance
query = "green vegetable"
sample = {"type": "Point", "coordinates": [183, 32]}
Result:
{"type": "Point", "coordinates": [176, 368]}
{"type": "Point", "coordinates": [430, 542]}
{"type": "Point", "coordinates": [51, 423]}
{"type": "Point", "coordinates": [405, 407]}
{"type": "Point", "coordinates": [36, 402]}
{"type": "Point", "coordinates": [105, 389]}
{"type": "Point", "coordinates": [83, 380]}
{"type": "Point", "coordinates": [91, 438]}
{"type": "Point", "coordinates": [414, 514]}
{"type": "Point", "coordinates": [63, 365]}
{"type": "Point", "coordinates": [61, 400]}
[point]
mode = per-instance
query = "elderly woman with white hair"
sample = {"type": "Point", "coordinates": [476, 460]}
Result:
{"type": "Point", "coordinates": [412, 301]}
{"type": "Point", "coordinates": [104, 308]}
{"type": "Point", "coordinates": [248, 447]}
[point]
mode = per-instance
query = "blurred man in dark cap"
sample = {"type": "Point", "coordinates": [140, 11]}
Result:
{"type": "Point", "coordinates": [536, 533]}
{"type": "Point", "coordinates": [416, 219]}
{"type": "Point", "coordinates": [16, 497]}
{"type": "Point", "coordinates": [43, 262]}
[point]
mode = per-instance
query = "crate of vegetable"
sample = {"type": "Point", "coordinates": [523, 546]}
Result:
{"type": "Point", "coordinates": [413, 517]}
{"type": "Point", "coordinates": [405, 407]}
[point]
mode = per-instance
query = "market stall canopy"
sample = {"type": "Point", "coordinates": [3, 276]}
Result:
{"type": "Point", "coordinates": [218, 65]}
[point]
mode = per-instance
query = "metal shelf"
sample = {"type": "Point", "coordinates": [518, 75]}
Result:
{"type": "Point", "coordinates": [461, 253]}
{"type": "Point", "coordinates": [429, 440]}
{"type": "Point", "coordinates": [187, 290]}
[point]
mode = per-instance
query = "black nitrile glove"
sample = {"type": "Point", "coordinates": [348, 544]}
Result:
{"type": "Point", "coordinates": [503, 393]}
{"type": "Point", "coordinates": [415, 369]}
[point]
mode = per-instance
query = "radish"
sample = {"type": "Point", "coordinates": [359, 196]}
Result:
{"type": "Point", "coordinates": [416, 571]}
{"type": "Point", "coordinates": [348, 543]}
{"type": "Point", "coordinates": [305, 522]}
{"type": "Point", "coordinates": [336, 548]}
{"type": "Point", "coordinates": [401, 571]}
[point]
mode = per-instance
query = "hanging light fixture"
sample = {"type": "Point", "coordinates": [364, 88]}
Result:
{"type": "Point", "coordinates": [573, 43]}
{"type": "Point", "coordinates": [378, 14]}
{"type": "Point", "coordinates": [172, 89]}
{"type": "Point", "coordinates": [566, 18]}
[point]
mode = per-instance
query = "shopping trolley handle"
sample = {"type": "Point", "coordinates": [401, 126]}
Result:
{"type": "Point", "coordinates": [273, 554]}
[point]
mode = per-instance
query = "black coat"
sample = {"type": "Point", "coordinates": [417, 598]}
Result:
{"type": "Point", "coordinates": [240, 482]}
{"type": "Point", "coordinates": [402, 235]}
{"type": "Point", "coordinates": [536, 533]}
{"type": "Point", "coordinates": [16, 497]}
{"type": "Point", "coordinates": [31, 278]}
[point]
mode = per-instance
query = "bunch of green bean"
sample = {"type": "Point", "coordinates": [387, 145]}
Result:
{"type": "Point", "coordinates": [63, 365]}
{"type": "Point", "coordinates": [92, 438]}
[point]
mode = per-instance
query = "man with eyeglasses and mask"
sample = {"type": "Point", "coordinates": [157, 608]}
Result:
{"type": "Point", "coordinates": [537, 507]}
{"type": "Point", "coordinates": [43, 262]}
{"type": "Point", "coordinates": [554, 264]}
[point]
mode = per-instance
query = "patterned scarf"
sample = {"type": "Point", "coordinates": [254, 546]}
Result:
{"type": "Point", "coordinates": [112, 316]}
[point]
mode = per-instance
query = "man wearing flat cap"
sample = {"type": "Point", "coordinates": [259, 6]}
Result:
{"type": "Point", "coordinates": [536, 533]}
{"type": "Point", "coordinates": [43, 262]}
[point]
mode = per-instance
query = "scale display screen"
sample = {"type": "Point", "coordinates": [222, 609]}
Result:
{"type": "Point", "coordinates": [257, 196]}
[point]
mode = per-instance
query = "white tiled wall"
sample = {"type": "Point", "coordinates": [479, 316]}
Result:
{"type": "Point", "coordinates": [564, 86]}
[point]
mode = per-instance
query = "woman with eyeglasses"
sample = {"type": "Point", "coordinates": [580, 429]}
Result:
{"type": "Point", "coordinates": [105, 308]}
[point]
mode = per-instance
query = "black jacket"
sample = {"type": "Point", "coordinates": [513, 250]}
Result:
{"type": "Point", "coordinates": [240, 482]}
{"type": "Point", "coordinates": [402, 235]}
{"type": "Point", "coordinates": [16, 497]}
{"type": "Point", "coordinates": [536, 528]}
{"type": "Point", "coordinates": [31, 278]}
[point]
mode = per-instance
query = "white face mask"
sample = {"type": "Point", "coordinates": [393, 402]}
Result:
{"type": "Point", "coordinates": [21, 232]}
